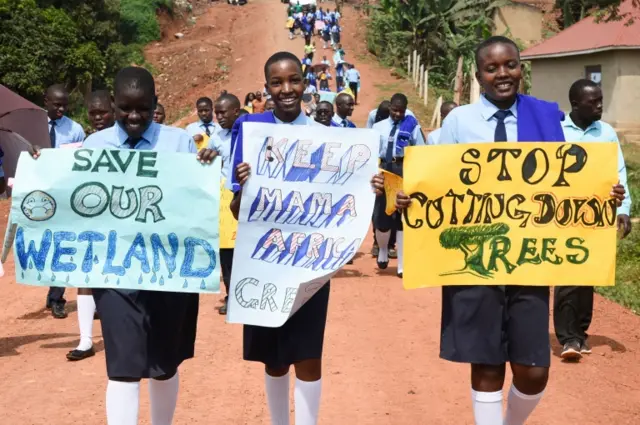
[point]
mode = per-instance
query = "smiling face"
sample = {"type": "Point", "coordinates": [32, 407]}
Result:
{"type": "Point", "coordinates": [56, 103]}
{"type": "Point", "coordinates": [499, 73]}
{"type": "Point", "coordinates": [134, 110]}
{"type": "Point", "coordinates": [286, 87]}
{"type": "Point", "coordinates": [101, 114]}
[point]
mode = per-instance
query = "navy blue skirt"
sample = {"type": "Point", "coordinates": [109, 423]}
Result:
{"type": "Point", "coordinates": [147, 334]}
{"type": "Point", "coordinates": [300, 338]}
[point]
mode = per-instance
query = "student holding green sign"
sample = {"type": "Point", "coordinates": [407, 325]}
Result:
{"type": "Point", "coordinates": [147, 334]}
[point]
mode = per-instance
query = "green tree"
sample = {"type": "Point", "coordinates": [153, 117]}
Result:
{"type": "Point", "coordinates": [604, 11]}
{"type": "Point", "coordinates": [471, 240]}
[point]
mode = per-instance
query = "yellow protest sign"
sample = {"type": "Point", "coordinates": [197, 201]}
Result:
{"type": "Point", "coordinates": [392, 185]}
{"type": "Point", "coordinates": [228, 224]}
{"type": "Point", "coordinates": [532, 214]}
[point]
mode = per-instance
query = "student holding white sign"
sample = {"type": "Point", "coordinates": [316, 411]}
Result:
{"type": "Point", "coordinates": [147, 334]}
{"type": "Point", "coordinates": [299, 341]}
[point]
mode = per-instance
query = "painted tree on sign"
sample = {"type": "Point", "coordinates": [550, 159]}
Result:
{"type": "Point", "coordinates": [471, 241]}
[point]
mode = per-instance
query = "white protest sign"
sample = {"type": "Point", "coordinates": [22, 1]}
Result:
{"type": "Point", "coordinates": [304, 213]}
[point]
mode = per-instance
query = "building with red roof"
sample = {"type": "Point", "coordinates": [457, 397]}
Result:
{"type": "Point", "coordinates": [606, 52]}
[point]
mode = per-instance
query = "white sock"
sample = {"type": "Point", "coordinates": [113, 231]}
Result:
{"type": "Point", "coordinates": [164, 397]}
{"type": "Point", "coordinates": [86, 310]}
{"type": "Point", "coordinates": [400, 249]}
{"type": "Point", "coordinates": [383, 245]}
{"type": "Point", "coordinates": [278, 398]}
{"type": "Point", "coordinates": [487, 407]}
{"type": "Point", "coordinates": [307, 401]}
{"type": "Point", "coordinates": [520, 406]}
{"type": "Point", "coordinates": [123, 402]}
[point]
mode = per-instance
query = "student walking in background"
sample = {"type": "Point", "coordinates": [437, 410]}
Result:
{"type": "Point", "coordinates": [205, 125]}
{"type": "Point", "coordinates": [62, 130]}
{"type": "Point", "coordinates": [434, 137]}
{"type": "Point", "coordinates": [353, 78]}
{"type": "Point", "coordinates": [258, 103]}
{"type": "Point", "coordinates": [573, 305]}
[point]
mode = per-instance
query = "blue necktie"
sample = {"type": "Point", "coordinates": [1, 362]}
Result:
{"type": "Point", "coordinates": [132, 142]}
{"type": "Point", "coordinates": [501, 130]}
{"type": "Point", "coordinates": [206, 129]}
{"type": "Point", "coordinates": [52, 133]}
{"type": "Point", "coordinates": [344, 123]}
{"type": "Point", "coordinates": [388, 158]}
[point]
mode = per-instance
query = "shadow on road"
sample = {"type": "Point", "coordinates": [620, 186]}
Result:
{"type": "Point", "coordinates": [43, 313]}
{"type": "Point", "coordinates": [10, 344]}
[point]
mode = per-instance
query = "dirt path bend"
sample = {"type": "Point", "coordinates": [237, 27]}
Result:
{"type": "Point", "coordinates": [381, 362]}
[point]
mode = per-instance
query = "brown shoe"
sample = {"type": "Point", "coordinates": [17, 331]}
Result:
{"type": "Point", "coordinates": [58, 311]}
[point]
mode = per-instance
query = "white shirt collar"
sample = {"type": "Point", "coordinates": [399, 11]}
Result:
{"type": "Point", "coordinates": [302, 119]}
{"type": "Point", "coordinates": [488, 109]}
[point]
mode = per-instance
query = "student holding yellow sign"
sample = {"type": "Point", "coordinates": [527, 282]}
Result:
{"type": "Point", "coordinates": [485, 323]}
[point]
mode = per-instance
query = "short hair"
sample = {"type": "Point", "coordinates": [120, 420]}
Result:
{"type": "Point", "coordinates": [325, 102]}
{"type": "Point", "coordinates": [399, 98]}
{"type": "Point", "coordinates": [103, 96]}
{"type": "Point", "coordinates": [448, 105]}
{"type": "Point", "coordinates": [496, 39]}
{"type": "Point", "coordinates": [232, 99]}
{"type": "Point", "coordinates": [278, 57]}
{"type": "Point", "coordinates": [342, 96]}
{"type": "Point", "coordinates": [161, 106]}
{"type": "Point", "coordinates": [206, 100]}
{"type": "Point", "coordinates": [133, 77]}
{"type": "Point", "coordinates": [382, 113]}
{"type": "Point", "coordinates": [243, 111]}
{"type": "Point", "coordinates": [576, 88]}
{"type": "Point", "coordinates": [56, 88]}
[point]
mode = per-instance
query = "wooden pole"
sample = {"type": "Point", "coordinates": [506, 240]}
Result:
{"type": "Point", "coordinates": [436, 113]}
{"type": "Point", "coordinates": [457, 86]}
{"type": "Point", "coordinates": [409, 65]}
{"type": "Point", "coordinates": [426, 86]}
{"type": "Point", "coordinates": [417, 67]}
{"type": "Point", "coordinates": [421, 78]}
{"type": "Point", "coordinates": [413, 65]}
{"type": "Point", "coordinates": [474, 86]}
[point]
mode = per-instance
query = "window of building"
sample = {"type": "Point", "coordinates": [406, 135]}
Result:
{"type": "Point", "coordinates": [593, 73]}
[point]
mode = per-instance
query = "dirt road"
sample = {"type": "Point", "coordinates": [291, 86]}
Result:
{"type": "Point", "coordinates": [381, 359]}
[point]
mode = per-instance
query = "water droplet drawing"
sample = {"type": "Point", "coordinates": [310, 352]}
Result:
{"type": "Point", "coordinates": [30, 265]}
{"type": "Point", "coordinates": [140, 279]}
{"type": "Point", "coordinates": [39, 276]}
{"type": "Point", "coordinates": [86, 279]}
{"type": "Point", "coordinates": [118, 282]}
{"type": "Point", "coordinates": [53, 277]}
{"type": "Point", "coordinates": [67, 279]}
{"type": "Point", "coordinates": [106, 279]}
{"type": "Point", "coordinates": [95, 259]}
{"type": "Point", "coordinates": [22, 274]}
{"type": "Point", "coordinates": [154, 278]}
{"type": "Point", "coordinates": [170, 276]}
{"type": "Point", "coordinates": [185, 284]}
{"type": "Point", "coordinates": [161, 280]}
{"type": "Point", "coordinates": [203, 285]}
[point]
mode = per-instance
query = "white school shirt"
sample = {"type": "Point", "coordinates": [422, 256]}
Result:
{"type": "Point", "coordinates": [67, 131]}
{"type": "Point", "coordinates": [221, 142]}
{"type": "Point", "coordinates": [200, 127]}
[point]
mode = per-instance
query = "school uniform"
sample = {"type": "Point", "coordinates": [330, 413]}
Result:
{"type": "Point", "coordinates": [302, 336]}
{"type": "Point", "coordinates": [342, 122]}
{"type": "Point", "coordinates": [573, 305]}
{"type": "Point", "coordinates": [62, 131]}
{"type": "Point", "coordinates": [221, 141]}
{"type": "Point", "coordinates": [434, 137]}
{"type": "Point", "coordinates": [353, 77]}
{"type": "Point", "coordinates": [371, 118]}
{"type": "Point", "coordinates": [394, 138]}
{"type": "Point", "coordinates": [201, 127]}
{"type": "Point", "coordinates": [493, 325]}
{"type": "Point", "coordinates": [147, 334]}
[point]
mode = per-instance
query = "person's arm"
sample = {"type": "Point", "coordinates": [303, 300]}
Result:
{"type": "Point", "coordinates": [624, 210]}
{"type": "Point", "coordinates": [243, 170]}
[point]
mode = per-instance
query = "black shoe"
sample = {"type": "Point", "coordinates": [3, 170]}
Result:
{"type": "Point", "coordinates": [585, 348]}
{"type": "Point", "coordinates": [571, 351]}
{"type": "Point", "coordinates": [58, 311]}
{"type": "Point", "coordinates": [223, 309]}
{"type": "Point", "coordinates": [350, 262]}
{"type": "Point", "coordinates": [382, 265]}
{"type": "Point", "coordinates": [76, 355]}
{"type": "Point", "coordinates": [400, 275]}
{"type": "Point", "coordinates": [48, 305]}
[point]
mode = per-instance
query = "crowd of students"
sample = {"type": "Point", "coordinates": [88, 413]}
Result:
{"type": "Point", "coordinates": [148, 334]}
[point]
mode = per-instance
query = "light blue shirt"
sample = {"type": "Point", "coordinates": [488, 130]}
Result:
{"type": "Point", "coordinates": [157, 137]}
{"type": "Point", "coordinates": [221, 142]}
{"type": "Point", "coordinates": [199, 127]}
{"type": "Point", "coordinates": [475, 123]}
{"type": "Point", "coordinates": [600, 131]}
{"type": "Point", "coordinates": [67, 131]}
{"type": "Point", "coordinates": [384, 129]}
{"type": "Point", "coordinates": [352, 75]}
{"type": "Point", "coordinates": [371, 120]}
{"type": "Point", "coordinates": [337, 120]}
{"type": "Point", "coordinates": [434, 137]}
